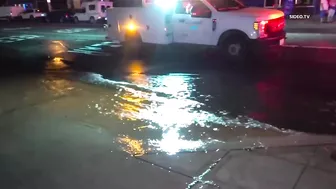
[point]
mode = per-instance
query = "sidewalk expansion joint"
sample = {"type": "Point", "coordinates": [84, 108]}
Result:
{"type": "Point", "coordinates": [12, 110]}
{"type": "Point", "coordinates": [199, 179]}
{"type": "Point", "coordinates": [303, 170]}
{"type": "Point", "coordinates": [162, 167]}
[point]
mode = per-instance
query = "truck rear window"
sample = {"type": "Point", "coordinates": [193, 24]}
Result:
{"type": "Point", "coordinates": [226, 5]}
{"type": "Point", "coordinates": [103, 8]}
{"type": "Point", "coordinates": [92, 7]}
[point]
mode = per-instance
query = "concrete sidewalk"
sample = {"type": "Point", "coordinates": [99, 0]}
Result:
{"type": "Point", "coordinates": [286, 167]}
{"type": "Point", "coordinates": [312, 25]}
{"type": "Point", "coordinates": [308, 167]}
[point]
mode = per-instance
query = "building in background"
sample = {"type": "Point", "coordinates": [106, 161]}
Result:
{"type": "Point", "coordinates": [73, 4]}
{"type": "Point", "coordinates": [26, 4]}
{"type": "Point", "coordinates": [300, 6]}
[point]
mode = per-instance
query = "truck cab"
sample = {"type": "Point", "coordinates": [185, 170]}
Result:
{"type": "Point", "coordinates": [227, 24]}
{"type": "Point", "coordinates": [92, 11]}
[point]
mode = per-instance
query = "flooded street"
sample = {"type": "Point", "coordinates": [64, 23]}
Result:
{"type": "Point", "coordinates": [169, 113]}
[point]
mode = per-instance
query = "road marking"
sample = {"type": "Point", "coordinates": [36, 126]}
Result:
{"type": "Point", "coordinates": [17, 38]}
{"type": "Point", "coordinates": [11, 29]}
{"type": "Point", "coordinates": [94, 49]}
{"type": "Point", "coordinates": [74, 30]}
{"type": "Point", "coordinates": [115, 44]}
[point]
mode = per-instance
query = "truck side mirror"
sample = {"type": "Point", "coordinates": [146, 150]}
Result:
{"type": "Point", "coordinates": [200, 12]}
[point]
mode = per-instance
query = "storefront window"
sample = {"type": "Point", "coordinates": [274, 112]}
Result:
{"type": "Point", "coordinates": [270, 3]}
{"type": "Point", "coordinates": [304, 2]}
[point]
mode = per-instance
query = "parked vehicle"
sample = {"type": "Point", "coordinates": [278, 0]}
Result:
{"type": "Point", "coordinates": [60, 16]}
{"type": "Point", "coordinates": [32, 14]}
{"type": "Point", "coordinates": [10, 12]}
{"type": "Point", "coordinates": [92, 11]}
{"type": "Point", "coordinates": [227, 24]}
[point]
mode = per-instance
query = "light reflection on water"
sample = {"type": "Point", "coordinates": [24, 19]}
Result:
{"type": "Point", "coordinates": [167, 103]}
{"type": "Point", "coordinates": [58, 86]}
{"type": "Point", "coordinates": [132, 146]}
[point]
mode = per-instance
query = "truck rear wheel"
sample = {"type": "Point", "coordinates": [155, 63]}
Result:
{"type": "Point", "coordinates": [75, 20]}
{"type": "Point", "coordinates": [234, 47]}
{"type": "Point", "coordinates": [92, 20]}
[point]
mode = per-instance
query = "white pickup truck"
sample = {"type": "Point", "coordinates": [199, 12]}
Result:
{"type": "Point", "coordinates": [92, 11]}
{"type": "Point", "coordinates": [228, 24]}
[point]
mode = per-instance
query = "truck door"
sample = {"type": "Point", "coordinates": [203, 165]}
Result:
{"type": "Point", "coordinates": [82, 15]}
{"type": "Point", "coordinates": [192, 22]}
{"type": "Point", "coordinates": [178, 22]}
{"type": "Point", "coordinates": [199, 24]}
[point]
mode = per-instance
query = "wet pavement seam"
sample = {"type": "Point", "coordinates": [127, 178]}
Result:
{"type": "Point", "coordinates": [185, 152]}
{"type": "Point", "coordinates": [6, 112]}
{"type": "Point", "coordinates": [162, 167]}
{"type": "Point", "coordinates": [303, 170]}
{"type": "Point", "coordinates": [207, 169]}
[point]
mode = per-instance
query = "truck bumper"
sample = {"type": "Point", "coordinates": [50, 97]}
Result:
{"type": "Point", "coordinates": [274, 41]}
{"type": "Point", "coordinates": [269, 47]}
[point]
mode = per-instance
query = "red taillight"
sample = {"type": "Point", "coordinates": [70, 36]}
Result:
{"type": "Point", "coordinates": [262, 29]}
{"type": "Point", "coordinates": [66, 15]}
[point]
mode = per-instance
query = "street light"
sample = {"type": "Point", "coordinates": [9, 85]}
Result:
{"type": "Point", "coordinates": [49, 5]}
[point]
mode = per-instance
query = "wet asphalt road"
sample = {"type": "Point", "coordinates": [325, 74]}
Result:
{"type": "Point", "coordinates": [64, 90]}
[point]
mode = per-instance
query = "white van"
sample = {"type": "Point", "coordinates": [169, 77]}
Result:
{"type": "Point", "coordinates": [92, 11]}
{"type": "Point", "coordinates": [10, 12]}
{"type": "Point", "coordinates": [228, 24]}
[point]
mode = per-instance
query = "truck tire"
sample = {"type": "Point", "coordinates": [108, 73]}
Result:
{"type": "Point", "coordinates": [234, 47]}
{"type": "Point", "coordinates": [75, 20]}
{"type": "Point", "coordinates": [31, 18]}
{"type": "Point", "coordinates": [92, 20]}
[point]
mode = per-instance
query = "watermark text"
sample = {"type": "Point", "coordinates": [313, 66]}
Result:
{"type": "Point", "coordinates": [299, 16]}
